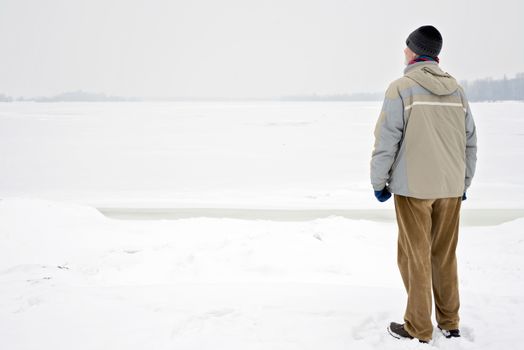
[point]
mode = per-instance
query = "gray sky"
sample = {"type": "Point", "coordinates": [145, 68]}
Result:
{"type": "Point", "coordinates": [244, 48]}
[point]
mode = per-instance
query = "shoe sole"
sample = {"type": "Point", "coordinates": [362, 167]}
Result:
{"type": "Point", "coordinates": [394, 335]}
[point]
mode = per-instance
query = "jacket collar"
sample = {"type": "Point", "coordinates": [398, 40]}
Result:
{"type": "Point", "coordinates": [419, 64]}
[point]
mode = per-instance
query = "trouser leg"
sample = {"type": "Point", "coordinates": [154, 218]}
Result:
{"type": "Point", "coordinates": [444, 236]}
{"type": "Point", "coordinates": [414, 262]}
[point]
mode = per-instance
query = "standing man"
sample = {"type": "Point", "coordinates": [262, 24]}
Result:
{"type": "Point", "coordinates": [425, 153]}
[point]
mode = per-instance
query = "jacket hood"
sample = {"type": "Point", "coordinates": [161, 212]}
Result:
{"type": "Point", "coordinates": [432, 78]}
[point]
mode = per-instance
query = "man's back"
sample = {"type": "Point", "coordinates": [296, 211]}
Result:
{"type": "Point", "coordinates": [423, 135]}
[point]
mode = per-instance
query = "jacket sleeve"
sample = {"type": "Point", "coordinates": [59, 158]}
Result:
{"type": "Point", "coordinates": [388, 135]}
{"type": "Point", "coordinates": [471, 144]}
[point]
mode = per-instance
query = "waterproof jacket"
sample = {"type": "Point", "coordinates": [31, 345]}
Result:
{"type": "Point", "coordinates": [425, 139]}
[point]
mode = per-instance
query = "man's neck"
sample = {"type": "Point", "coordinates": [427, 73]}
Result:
{"type": "Point", "coordinates": [423, 58]}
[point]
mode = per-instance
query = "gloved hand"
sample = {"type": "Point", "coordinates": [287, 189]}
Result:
{"type": "Point", "coordinates": [464, 196]}
{"type": "Point", "coordinates": [383, 195]}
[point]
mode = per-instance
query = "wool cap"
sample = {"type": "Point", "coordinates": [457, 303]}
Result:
{"type": "Point", "coordinates": [425, 40]}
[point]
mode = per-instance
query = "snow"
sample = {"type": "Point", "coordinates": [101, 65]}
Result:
{"type": "Point", "coordinates": [261, 155]}
{"type": "Point", "coordinates": [73, 278]}
{"type": "Point", "coordinates": [278, 273]}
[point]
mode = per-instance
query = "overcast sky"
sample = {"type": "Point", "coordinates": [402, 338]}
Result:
{"type": "Point", "coordinates": [244, 48]}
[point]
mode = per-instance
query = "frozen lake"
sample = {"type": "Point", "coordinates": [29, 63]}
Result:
{"type": "Point", "coordinates": [242, 155]}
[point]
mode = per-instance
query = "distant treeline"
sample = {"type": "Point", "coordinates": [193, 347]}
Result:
{"type": "Point", "coordinates": [72, 96]}
{"type": "Point", "coordinates": [82, 96]}
{"type": "Point", "coordinates": [5, 98]}
{"type": "Point", "coordinates": [371, 96]}
{"type": "Point", "coordinates": [487, 89]}
{"type": "Point", "coordinates": [495, 89]}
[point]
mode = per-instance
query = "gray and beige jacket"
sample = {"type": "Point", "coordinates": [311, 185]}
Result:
{"type": "Point", "coordinates": [425, 138]}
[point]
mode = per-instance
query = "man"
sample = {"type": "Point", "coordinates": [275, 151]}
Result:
{"type": "Point", "coordinates": [425, 153]}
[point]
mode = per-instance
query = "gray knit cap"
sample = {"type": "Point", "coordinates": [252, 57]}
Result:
{"type": "Point", "coordinates": [425, 40]}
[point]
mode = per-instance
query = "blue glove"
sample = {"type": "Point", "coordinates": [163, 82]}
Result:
{"type": "Point", "coordinates": [464, 196]}
{"type": "Point", "coordinates": [383, 195]}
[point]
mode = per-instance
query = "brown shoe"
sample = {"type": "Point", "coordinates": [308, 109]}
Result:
{"type": "Point", "coordinates": [398, 331]}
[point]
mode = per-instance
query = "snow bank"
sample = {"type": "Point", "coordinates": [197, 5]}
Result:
{"type": "Point", "coordinates": [72, 278]}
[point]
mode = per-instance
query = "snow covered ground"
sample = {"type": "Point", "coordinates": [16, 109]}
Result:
{"type": "Point", "coordinates": [72, 278]}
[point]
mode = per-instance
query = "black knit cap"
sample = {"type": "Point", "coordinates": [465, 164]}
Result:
{"type": "Point", "coordinates": [425, 40]}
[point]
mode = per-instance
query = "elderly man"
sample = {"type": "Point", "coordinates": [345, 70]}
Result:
{"type": "Point", "coordinates": [425, 153]}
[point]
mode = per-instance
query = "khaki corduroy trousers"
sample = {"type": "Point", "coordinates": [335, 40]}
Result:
{"type": "Point", "coordinates": [427, 240]}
